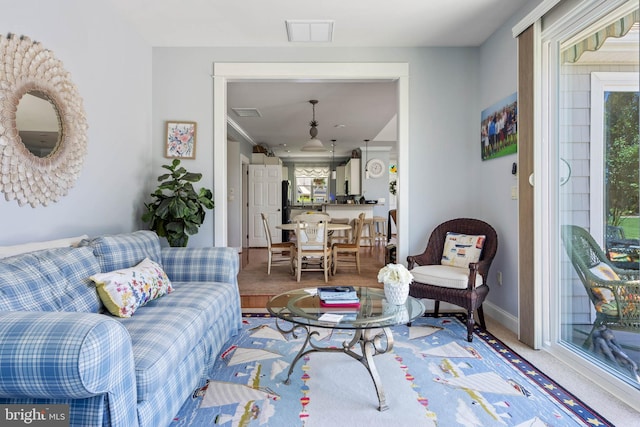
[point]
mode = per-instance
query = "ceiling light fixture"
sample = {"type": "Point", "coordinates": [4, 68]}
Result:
{"type": "Point", "coordinates": [314, 144]}
{"type": "Point", "coordinates": [333, 159]}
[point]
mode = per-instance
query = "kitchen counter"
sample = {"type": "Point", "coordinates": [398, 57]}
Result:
{"type": "Point", "coordinates": [349, 211]}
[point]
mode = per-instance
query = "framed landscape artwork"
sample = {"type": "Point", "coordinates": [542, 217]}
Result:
{"type": "Point", "coordinates": [499, 128]}
{"type": "Point", "coordinates": [181, 140]}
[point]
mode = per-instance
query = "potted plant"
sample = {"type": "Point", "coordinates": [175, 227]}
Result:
{"type": "Point", "coordinates": [177, 210]}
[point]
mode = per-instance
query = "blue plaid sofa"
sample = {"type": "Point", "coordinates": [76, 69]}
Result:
{"type": "Point", "coordinates": [57, 345]}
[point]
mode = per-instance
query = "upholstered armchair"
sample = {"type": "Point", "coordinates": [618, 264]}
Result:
{"type": "Point", "coordinates": [454, 267]}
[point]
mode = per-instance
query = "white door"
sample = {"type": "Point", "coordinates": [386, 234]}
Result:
{"type": "Point", "coordinates": [265, 196]}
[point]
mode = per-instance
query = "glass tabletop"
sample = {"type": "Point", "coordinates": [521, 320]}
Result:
{"type": "Point", "coordinates": [303, 306]}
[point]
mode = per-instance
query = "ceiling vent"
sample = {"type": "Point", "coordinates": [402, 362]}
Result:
{"type": "Point", "coordinates": [309, 30]}
{"type": "Point", "coordinates": [247, 112]}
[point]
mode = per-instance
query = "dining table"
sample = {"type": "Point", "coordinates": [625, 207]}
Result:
{"type": "Point", "coordinates": [291, 226]}
{"type": "Point", "coordinates": [332, 226]}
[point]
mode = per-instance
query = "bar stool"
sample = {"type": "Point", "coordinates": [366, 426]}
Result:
{"type": "Point", "coordinates": [380, 227]}
{"type": "Point", "coordinates": [337, 236]}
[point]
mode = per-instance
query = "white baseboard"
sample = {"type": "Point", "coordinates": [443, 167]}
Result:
{"type": "Point", "coordinates": [506, 319]}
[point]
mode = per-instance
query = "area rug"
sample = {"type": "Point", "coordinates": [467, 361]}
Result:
{"type": "Point", "coordinates": [431, 377]}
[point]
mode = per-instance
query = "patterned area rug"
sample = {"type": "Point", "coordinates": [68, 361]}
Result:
{"type": "Point", "coordinates": [431, 377]}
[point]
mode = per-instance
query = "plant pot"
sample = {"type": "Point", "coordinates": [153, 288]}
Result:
{"type": "Point", "coordinates": [396, 294]}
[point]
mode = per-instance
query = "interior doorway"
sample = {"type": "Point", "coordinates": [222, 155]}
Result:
{"type": "Point", "coordinates": [234, 72]}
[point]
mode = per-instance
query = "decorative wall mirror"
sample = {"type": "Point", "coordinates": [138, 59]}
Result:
{"type": "Point", "coordinates": [43, 129]}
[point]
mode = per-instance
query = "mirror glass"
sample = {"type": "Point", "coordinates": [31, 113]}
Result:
{"type": "Point", "coordinates": [38, 124]}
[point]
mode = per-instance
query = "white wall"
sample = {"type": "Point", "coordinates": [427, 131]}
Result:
{"type": "Point", "coordinates": [234, 198]}
{"type": "Point", "coordinates": [111, 66]}
{"type": "Point", "coordinates": [376, 188]}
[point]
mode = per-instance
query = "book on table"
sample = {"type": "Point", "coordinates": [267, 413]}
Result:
{"type": "Point", "coordinates": [340, 304]}
{"type": "Point", "coordinates": [337, 293]}
{"type": "Point", "coordinates": [338, 296]}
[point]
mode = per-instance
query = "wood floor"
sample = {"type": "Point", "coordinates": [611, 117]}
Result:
{"type": "Point", "coordinates": [256, 287]}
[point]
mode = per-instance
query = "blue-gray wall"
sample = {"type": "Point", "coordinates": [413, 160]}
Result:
{"type": "Point", "coordinates": [130, 89]}
{"type": "Point", "coordinates": [111, 66]}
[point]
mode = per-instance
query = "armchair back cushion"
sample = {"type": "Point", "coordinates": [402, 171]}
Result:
{"type": "Point", "coordinates": [461, 249]}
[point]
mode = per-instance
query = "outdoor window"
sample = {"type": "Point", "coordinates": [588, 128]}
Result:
{"type": "Point", "coordinates": [596, 154]}
{"type": "Point", "coordinates": [311, 184]}
{"type": "Point", "coordinates": [614, 162]}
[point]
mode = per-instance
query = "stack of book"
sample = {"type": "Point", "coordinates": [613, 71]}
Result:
{"type": "Point", "coordinates": [338, 296]}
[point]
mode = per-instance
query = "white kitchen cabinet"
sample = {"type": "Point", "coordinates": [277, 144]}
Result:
{"type": "Point", "coordinates": [340, 176]}
{"type": "Point", "coordinates": [352, 174]}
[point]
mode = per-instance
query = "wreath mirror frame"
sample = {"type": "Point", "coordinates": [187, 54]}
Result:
{"type": "Point", "coordinates": [27, 67]}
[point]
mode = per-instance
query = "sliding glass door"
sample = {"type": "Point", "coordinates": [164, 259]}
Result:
{"type": "Point", "coordinates": [592, 90]}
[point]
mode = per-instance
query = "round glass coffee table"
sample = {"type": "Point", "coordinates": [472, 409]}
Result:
{"type": "Point", "coordinates": [371, 324]}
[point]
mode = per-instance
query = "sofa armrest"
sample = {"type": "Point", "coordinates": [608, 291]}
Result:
{"type": "Point", "coordinates": [68, 355]}
{"type": "Point", "coordinates": [214, 264]}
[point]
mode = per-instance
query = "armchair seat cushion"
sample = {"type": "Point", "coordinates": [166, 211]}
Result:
{"type": "Point", "coordinates": [444, 275]}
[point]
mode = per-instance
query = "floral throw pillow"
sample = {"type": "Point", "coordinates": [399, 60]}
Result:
{"type": "Point", "coordinates": [123, 291]}
{"type": "Point", "coordinates": [461, 249]}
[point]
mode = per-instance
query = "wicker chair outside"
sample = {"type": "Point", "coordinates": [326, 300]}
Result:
{"type": "Point", "coordinates": [472, 297]}
{"type": "Point", "coordinates": [585, 254]}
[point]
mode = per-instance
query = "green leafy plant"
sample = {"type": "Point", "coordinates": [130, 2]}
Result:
{"type": "Point", "coordinates": [392, 187]}
{"type": "Point", "coordinates": [177, 210]}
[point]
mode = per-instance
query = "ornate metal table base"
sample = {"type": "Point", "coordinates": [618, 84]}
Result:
{"type": "Point", "coordinates": [372, 342]}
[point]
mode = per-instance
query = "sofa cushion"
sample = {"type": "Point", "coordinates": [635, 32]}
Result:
{"type": "Point", "coordinates": [123, 291]}
{"type": "Point", "coordinates": [166, 330]}
{"type": "Point", "coordinates": [50, 280]}
{"type": "Point", "coordinates": [444, 275]}
{"type": "Point", "coordinates": [461, 249]}
{"type": "Point", "coordinates": [126, 250]}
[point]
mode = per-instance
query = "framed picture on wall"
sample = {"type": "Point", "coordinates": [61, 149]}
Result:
{"type": "Point", "coordinates": [499, 128]}
{"type": "Point", "coordinates": [181, 140]}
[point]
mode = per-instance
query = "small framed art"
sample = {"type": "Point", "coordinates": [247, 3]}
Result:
{"type": "Point", "coordinates": [181, 140]}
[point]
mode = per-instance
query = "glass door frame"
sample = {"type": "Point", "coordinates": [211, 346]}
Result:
{"type": "Point", "coordinates": [547, 249]}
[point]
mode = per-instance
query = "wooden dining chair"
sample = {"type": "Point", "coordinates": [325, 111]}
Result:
{"type": "Point", "coordinates": [312, 251]}
{"type": "Point", "coordinates": [349, 252]}
{"type": "Point", "coordinates": [277, 252]}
